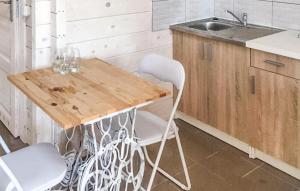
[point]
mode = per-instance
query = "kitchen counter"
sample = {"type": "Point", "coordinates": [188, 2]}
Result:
{"type": "Point", "coordinates": [285, 43]}
{"type": "Point", "coordinates": [236, 34]}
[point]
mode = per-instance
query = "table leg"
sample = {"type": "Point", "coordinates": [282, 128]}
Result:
{"type": "Point", "coordinates": [109, 157]}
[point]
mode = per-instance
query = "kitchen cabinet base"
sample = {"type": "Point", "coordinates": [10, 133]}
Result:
{"type": "Point", "coordinates": [253, 153]}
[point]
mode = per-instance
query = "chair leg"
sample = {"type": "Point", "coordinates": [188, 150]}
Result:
{"type": "Point", "coordinates": [183, 161]}
{"type": "Point", "coordinates": [184, 165]}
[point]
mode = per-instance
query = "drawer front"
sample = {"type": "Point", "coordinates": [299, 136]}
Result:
{"type": "Point", "coordinates": [274, 63]}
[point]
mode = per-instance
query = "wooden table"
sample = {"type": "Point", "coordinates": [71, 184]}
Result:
{"type": "Point", "coordinates": [98, 91]}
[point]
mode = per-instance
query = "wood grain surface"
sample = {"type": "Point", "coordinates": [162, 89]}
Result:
{"type": "Point", "coordinates": [98, 90]}
{"type": "Point", "coordinates": [217, 82]}
{"type": "Point", "coordinates": [283, 65]}
{"type": "Point", "coordinates": [275, 116]}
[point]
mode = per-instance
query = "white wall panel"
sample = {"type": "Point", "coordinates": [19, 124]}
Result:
{"type": "Point", "coordinates": [28, 37]}
{"type": "Point", "coordinates": [43, 57]}
{"type": "Point", "coordinates": [43, 36]}
{"type": "Point", "coordinates": [42, 12]}
{"type": "Point", "coordinates": [259, 12]}
{"type": "Point", "coordinates": [87, 9]}
{"type": "Point", "coordinates": [123, 44]}
{"type": "Point", "coordinates": [5, 91]}
{"type": "Point", "coordinates": [131, 61]}
{"type": "Point", "coordinates": [92, 29]}
{"type": "Point", "coordinates": [286, 16]}
{"type": "Point", "coordinates": [119, 31]}
{"type": "Point", "coordinates": [199, 9]}
{"type": "Point", "coordinates": [221, 6]}
{"type": "Point", "coordinates": [283, 14]}
{"type": "Point", "coordinates": [168, 12]}
{"type": "Point", "coordinates": [28, 58]}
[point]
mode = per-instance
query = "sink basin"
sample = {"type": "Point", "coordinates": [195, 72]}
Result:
{"type": "Point", "coordinates": [211, 26]}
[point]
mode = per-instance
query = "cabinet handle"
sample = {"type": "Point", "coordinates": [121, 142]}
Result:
{"type": "Point", "coordinates": [208, 51]}
{"type": "Point", "coordinates": [253, 85]}
{"type": "Point", "coordinates": [203, 51]}
{"type": "Point", "coordinates": [278, 64]}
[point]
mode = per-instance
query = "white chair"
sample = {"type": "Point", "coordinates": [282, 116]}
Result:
{"type": "Point", "coordinates": [150, 128]}
{"type": "Point", "coordinates": [34, 168]}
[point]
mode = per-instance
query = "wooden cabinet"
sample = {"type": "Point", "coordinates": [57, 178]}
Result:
{"type": "Point", "coordinates": [274, 63]}
{"type": "Point", "coordinates": [275, 115]}
{"type": "Point", "coordinates": [216, 89]}
{"type": "Point", "coordinates": [234, 90]}
{"type": "Point", "coordinates": [228, 89]}
{"type": "Point", "coordinates": [189, 50]}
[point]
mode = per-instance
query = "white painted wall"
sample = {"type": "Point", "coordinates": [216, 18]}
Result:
{"type": "Point", "coordinates": [117, 31]}
{"type": "Point", "coordinates": [120, 32]}
{"type": "Point", "coordinates": [168, 12]}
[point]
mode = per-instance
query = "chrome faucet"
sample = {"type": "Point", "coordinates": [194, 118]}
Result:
{"type": "Point", "coordinates": [244, 20]}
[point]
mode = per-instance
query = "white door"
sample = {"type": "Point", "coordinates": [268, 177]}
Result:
{"type": "Point", "coordinates": [8, 61]}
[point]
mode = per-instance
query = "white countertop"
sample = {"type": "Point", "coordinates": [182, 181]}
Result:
{"type": "Point", "coordinates": [284, 43]}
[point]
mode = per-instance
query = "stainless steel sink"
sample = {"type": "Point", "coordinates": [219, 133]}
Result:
{"type": "Point", "coordinates": [211, 26]}
{"type": "Point", "coordinates": [222, 29]}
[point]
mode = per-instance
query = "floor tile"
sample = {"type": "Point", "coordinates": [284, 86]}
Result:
{"type": "Point", "coordinates": [281, 175]}
{"type": "Point", "coordinates": [260, 180]}
{"type": "Point", "coordinates": [198, 146]}
{"type": "Point", "coordinates": [204, 179]}
{"type": "Point", "coordinates": [166, 186]}
{"type": "Point", "coordinates": [229, 164]}
{"type": "Point", "coordinates": [170, 160]}
{"type": "Point", "coordinates": [213, 165]}
{"type": "Point", "coordinates": [158, 177]}
{"type": "Point", "coordinates": [13, 143]}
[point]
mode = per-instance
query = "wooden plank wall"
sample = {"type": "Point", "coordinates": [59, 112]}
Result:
{"type": "Point", "coordinates": [36, 125]}
{"type": "Point", "coordinates": [115, 30]}
{"type": "Point", "coordinates": [118, 31]}
{"type": "Point", "coordinates": [5, 67]}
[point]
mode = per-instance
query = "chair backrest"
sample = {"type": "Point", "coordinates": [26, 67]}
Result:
{"type": "Point", "coordinates": [14, 183]}
{"type": "Point", "coordinates": [4, 146]}
{"type": "Point", "coordinates": [168, 70]}
{"type": "Point", "coordinates": [164, 69]}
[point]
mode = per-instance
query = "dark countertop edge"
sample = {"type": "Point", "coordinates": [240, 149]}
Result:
{"type": "Point", "coordinates": [206, 35]}
{"type": "Point", "coordinates": [183, 27]}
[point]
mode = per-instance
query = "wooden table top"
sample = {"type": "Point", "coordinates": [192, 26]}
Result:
{"type": "Point", "coordinates": [98, 90]}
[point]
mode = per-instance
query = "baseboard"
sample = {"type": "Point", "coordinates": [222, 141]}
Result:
{"type": "Point", "coordinates": [253, 153]}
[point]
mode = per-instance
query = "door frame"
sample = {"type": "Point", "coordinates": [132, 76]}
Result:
{"type": "Point", "coordinates": [18, 64]}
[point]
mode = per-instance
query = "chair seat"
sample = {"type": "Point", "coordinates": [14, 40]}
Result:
{"type": "Point", "coordinates": [150, 128]}
{"type": "Point", "coordinates": [36, 167]}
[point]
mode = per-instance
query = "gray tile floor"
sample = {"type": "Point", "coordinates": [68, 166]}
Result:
{"type": "Point", "coordinates": [213, 165]}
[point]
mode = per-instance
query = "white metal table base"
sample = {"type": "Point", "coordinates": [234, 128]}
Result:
{"type": "Point", "coordinates": [109, 158]}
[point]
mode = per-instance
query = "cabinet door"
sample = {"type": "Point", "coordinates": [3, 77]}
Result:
{"type": "Point", "coordinates": [276, 115]}
{"type": "Point", "coordinates": [228, 89]}
{"type": "Point", "coordinates": [190, 51]}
